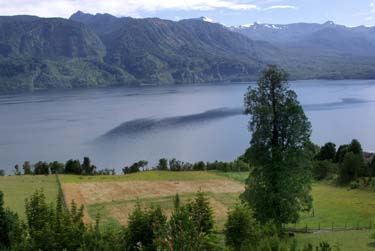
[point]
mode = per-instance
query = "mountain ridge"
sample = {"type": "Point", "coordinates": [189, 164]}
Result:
{"type": "Point", "coordinates": [103, 50]}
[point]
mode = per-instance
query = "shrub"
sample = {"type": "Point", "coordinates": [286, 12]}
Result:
{"type": "Point", "coordinates": [327, 152]}
{"type": "Point", "coordinates": [322, 169]}
{"type": "Point", "coordinates": [142, 228]}
{"type": "Point", "coordinates": [241, 229]}
{"type": "Point", "coordinates": [349, 168]}
{"type": "Point", "coordinates": [354, 184]}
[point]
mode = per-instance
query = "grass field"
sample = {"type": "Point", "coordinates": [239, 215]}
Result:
{"type": "Point", "coordinates": [17, 188]}
{"type": "Point", "coordinates": [341, 207]}
{"type": "Point", "coordinates": [346, 241]}
{"type": "Point", "coordinates": [237, 176]}
{"type": "Point", "coordinates": [114, 197]}
{"type": "Point", "coordinates": [146, 176]}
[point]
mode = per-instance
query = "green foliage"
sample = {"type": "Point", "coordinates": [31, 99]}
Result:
{"type": "Point", "coordinates": [27, 168]}
{"type": "Point", "coordinates": [341, 151]}
{"type": "Point", "coordinates": [87, 168]}
{"type": "Point", "coordinates": [17, 170]}
{"type": "Point", "coordinates": [176, 165]}
{"type": "Point", "coordinates": [70, 167]}
{"type": "Point", "coordinates": [201, 213]}
{"type": "Point", "coordinates": [108, 239]}
{"type": "Point", "coordinates": [322, 169]}
{"type": "Point", "coordinates": [143, 227]}
{"type": "Point", "coordinates": [56, 167]}
{"type": "Point", "coordinates": [327, 152]}
{"type": "Point", "coordinates": [323, 246]}
{"type": "Point", "coordinates": [241, 229]}
{"type": "Point", "coordinates": [11, 230]}
{"type": "Point", "coordinates": [135, 167]}
{"type": "Point", "coordinates": [53, 228]}
{"type": "Point", "coordinates": [4, 224]}
{"type": "Point", "coordinates": [73, 167]}
{"type": "Point", "coordinates": [355, 147]}
{"type": "Point", "coordinates": [199, 166]}
{"type": "Point", "coordinates": [350, 168]}
{"type": "Point", "coordinates": [41, 168]}
{"type": "Point", "coordinates": [163, 165]}
{"type": "Point", "coordinates": [48, 227]}
{"type": "Point", "coordinates": [189, 227]}
{"type": "Point", "coordinates": [279, 185]}
{"type": "Point", "coordinates": [371, 167]}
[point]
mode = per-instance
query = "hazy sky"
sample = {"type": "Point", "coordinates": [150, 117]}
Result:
{"type": "Point", "coordinates": [229, 12]}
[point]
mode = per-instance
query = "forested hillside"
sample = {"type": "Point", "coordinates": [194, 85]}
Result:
{"type": "Point", "coordinates": [103, 50]}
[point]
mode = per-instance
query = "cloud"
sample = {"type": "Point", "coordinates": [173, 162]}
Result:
{"type": "Point", "coordinates": [64, 8]}
{"type": "Point", "coordinates": [370, 17]}
{"type": "Point", "coordinates": [280, 7]}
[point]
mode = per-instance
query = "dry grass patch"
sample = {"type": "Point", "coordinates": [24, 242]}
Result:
{"type": "Point", "coordinates": [118, 212]}
{"type": "Point", "coordinates": [99, 192]}
{"type": "Point", "coordinates": [115, 200]}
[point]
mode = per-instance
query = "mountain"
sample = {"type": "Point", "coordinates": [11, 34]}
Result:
{"type": "Point", "coordinates": [101, 50]}
{"type": "Point", "coordinates": [189, 51]}
{"type": "Point", "coordinates": [320, 50]}
{"type": "Point", "coordinates": [41, 53]}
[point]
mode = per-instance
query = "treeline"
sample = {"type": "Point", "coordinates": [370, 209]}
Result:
{"type": "Point", "coordinates": [175, 165]}
{"type": "Point", "coordinates": [190, 227]}
{"type": "Point", "coordinates": [346, 165]}
{"type": "Point", "coordinates": [87, 168]}
{"type": "Point", "coordinates": [70, 167]}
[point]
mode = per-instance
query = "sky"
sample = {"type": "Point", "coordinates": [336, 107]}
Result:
{"type": "Point", "coordinates": [228, 12]}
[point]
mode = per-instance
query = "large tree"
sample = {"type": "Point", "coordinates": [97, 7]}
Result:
{"type": "Point", "coordinates": [278, 188]}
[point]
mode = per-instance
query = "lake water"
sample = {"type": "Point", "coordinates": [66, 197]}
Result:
{"type": "Point", "coordinates": [118, 126]}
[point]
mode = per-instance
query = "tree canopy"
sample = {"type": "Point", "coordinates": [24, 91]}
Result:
{"type": "Point", "coordinates": [279, 185]}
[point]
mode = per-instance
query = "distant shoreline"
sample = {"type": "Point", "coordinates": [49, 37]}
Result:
{"type": "Point", "coordinates": [144, 85]}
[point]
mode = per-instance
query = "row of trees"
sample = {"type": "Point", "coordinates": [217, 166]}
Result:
{"type": "Point", "coordinates": [190, 227]}
{"type": "Point", "coordinates": [86, 168]}
{"type": "Point", "coordinates": [346, 164]}
{"type": "Point", "coordinates": [176, 165]}
{"type": "Point", "coordinates": [70, 167]}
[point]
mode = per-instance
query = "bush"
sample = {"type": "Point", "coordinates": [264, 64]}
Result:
{"type": "Point", "coordinates": [241, 229]}
{"type": "Point", "coordinates": [189, 227]}
{"type": "Point", "coordinates": [327, 152]}
{"type": "Point", "coordinates": [73, 167]}
{"type": "Point", "coordinates": [350, 168]}
{"type": "Point", "coordinates": [135, 167]}
{"type": "Point", "coordinates": [142, 228]}
{"type": "Point", "coordinates": [322, 169]}
{"type": "Point", "coordinates": [201, 213]}
{"type": "Point", "coordinates": [354, 184]}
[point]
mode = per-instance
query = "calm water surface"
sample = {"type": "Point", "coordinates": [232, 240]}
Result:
{"type": "Point", "coordinates": [116, 127]}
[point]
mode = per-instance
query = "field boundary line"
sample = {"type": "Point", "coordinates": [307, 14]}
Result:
{"type": "Point", "coordinates": [326, 230]}
{"type": "Point", "coordinates": [61, 192]}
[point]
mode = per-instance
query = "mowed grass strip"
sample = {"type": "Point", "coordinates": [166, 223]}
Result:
{"type": "Point", "coordinates": [345, 240]}
{"type": "Point", "coordinates": [17, 188]}
{"type": "Point", "coordinates": [339, 206]}
{"type": "Point", "coordinates": [145, 176]}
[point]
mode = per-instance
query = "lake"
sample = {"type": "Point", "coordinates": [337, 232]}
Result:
{"type": "Point", "coordinates": [119, 126]}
